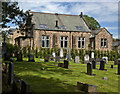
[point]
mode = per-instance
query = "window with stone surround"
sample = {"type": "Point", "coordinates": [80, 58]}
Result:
{"type": "Point", "coordinates": [45, 41]}
{"type": "Point", "coordinates": [81, 42]}
{"type": "Point", "coordinates": [63, 42]}
{"type": "Point", "coordinates": [104, 43]}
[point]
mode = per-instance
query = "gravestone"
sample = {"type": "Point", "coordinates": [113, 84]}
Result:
{"type": "Point", "coordinates": [92, 54]}
{"type": "Point", "coordinates": [86, 59]}
{"type": "Point", "coordinates": [68, 55]}
{"type": "Point", "coordinates": [66, 64]}
{"type": "Point", "coordinates": [19, 56]}
{"type": "Point", "coordinates": [31, 58]}
{"type": "Point", "coordinates": [77, 59]}
{"type": "Point", "coordinates": [51, 58]}
{"type": "Point", "coordinates": [86, 88]}
{"type": "Point", "coordinates": [25, 87]}
{"type": "Point", "coordinates": [102, 65]}
{"type": "Point", "coordinates": [61, 53]}
{"type": "Point", "coordinates": [106, 59]}
{"type": "Point", "coordinates": [57, 59]}
{"type": "Point", "coordinates": [111, 66]}
{"type": "Point", "coordinates": [89, 68]}
{"type": "Point", "coordinates": [94, 64]}
{"type": "Point", "coordinates": [53, 54]}
{"type": "Point", "coordinates": [46, 59]}
{"type": "Point", "coordinates": [60, 64]}
{"type": "Point", "coordinates": [11, 73]}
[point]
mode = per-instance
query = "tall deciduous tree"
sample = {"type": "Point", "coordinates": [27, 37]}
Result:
{"type": "Point", "coordinates": [94, 24]}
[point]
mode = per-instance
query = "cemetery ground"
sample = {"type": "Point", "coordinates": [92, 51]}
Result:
{"type": "Point", "coordinates": [57, 79]}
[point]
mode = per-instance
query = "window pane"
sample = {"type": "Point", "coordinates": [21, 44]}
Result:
{"type": "Point", "coordinates": [47, 43]}
{"type": "Point", "coordinates": [47, 37]}
{"type": "Point", "coordinates": [79, 44]}
{"type": "Point", "coordinates": [101, 42]}
{"type": "Point", "coordinates": [43, 37]}
{"type": "Point", "coordinates": [83, 42]}
{"type": "Point", "coordinates": [65, 38]}
{"type": "Point", "coordinates": [61, 43]}
{"type": "Point", "coordinates": [61, 38]}
{"type": "Point", "coordinates": [65, 43]}
{"type": "Point", "coordinates": [79, 38]}
{"type": "Point", "coordinates": [105, 43]}
{"type": "Point", "coordinates": [43, 43]}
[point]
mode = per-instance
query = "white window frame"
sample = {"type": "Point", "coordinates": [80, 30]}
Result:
{"type": "Point", "coordinates": [104, 41]}
{"type": "Point", "coordinates": [45, 41]}
{"type": "Point", "coordinates": [81, 40]}
{"type": "Point", "coordinates": [64, 40]}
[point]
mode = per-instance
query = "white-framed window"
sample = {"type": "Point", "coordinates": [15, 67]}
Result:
{"type": "Point", "coordinates": [103, 42]}
{"type": "Point", "coordinates": [81, 42]}
{"type": "Point", "coordinates": [64, 42]}
{"type": "Point", "coordinates": [45, 41]}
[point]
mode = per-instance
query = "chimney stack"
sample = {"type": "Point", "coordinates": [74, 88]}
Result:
{"type": "Point", "coordinates": [81, 15]}
{"type": "Point", "coordinates": [56, 24]}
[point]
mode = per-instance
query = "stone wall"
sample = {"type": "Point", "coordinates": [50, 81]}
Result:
{"type": "Point", "coordinates": [103, 34]}
{"type": "Point", "coordinates": [55, 38]}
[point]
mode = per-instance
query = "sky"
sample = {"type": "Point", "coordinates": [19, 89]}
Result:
{"type": "Point", "coordinates": [104, 11]}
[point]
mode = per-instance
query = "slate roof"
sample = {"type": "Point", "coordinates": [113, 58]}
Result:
{"type": "Point", "coordinates": [116, 43]}
{"type": "Point", "coordinates": [47, 21]}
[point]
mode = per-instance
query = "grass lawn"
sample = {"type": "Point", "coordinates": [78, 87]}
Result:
{"type": "Point", "coordinates": [57, 79]}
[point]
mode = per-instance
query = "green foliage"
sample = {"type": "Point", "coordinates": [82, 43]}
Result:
{"type": "Point", "coordinates": [73, 53]}
{"type": "Point", "coordinates": [92, 22]}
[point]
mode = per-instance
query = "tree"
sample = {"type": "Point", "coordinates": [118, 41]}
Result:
{"type": "Point", "coordinates": [94, 24]}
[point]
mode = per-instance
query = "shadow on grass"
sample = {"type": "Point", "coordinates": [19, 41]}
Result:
{"type": "Point", "coordinates": [40, 84]}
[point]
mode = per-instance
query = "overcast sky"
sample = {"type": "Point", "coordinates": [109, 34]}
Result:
{"type": "Point", "coordinates": [104, 11]}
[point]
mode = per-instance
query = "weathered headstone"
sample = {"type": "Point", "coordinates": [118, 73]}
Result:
{"type": "Point", "coordinates": [94, 64]}
{"type": "Point", "coordinates": [106, 59]}
{"type": "Point", "coordinates": [57, 59]}
{"type": "Point", "coordinates": [31, 58]}
{"type": "Point", "coordinates": [86, 87]}
{"type": "Point", "coordinates": [61, 53]}
{"type": "Point", "coordinates": [89, 68]}
{"type": "Point", "coordinates": [92, 54]}
{"type": "Point", "coordinates": [11, 73]}
{"type": "Point", "coordinates": [66, 64]}
{"type": "Point", "coordinates": [51, 58]}
{"type": "Point", "coordinates": [77, 59]}
{"type": "Point", "coordinates": [68, 55]}
{"type": "Point", "coordinates": [53, 54]}
{"type": "Point", "coordinates": [25, 87]}
{"type": "Point", "coordinates": [46, 58]}
{"type": "Point", "coordinates": [60, 64]}
{"type": "Point", "coordinates": [102, 65]}
{"type": "Point", "coordinates": [111, 66]}
{"type": "Point", "coordinates": [86, 59]}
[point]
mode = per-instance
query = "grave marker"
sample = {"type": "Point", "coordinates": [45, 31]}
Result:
{"type": "Point", "coordinates": [86, 59]}
{"type": "Point", "coordinates": [46, 59]}
{"type": "Point", "coordinates": [102, 65]}
{"type": "Point", "coordinates": [66, 64]}
{"type": "Point", "coordinates": [77, 59]}
{"type": "Point", "coordinates": [57, 59]}
{"type": "Point", "coordinates": [94, 64]}
{"type": "Point", "coordinates": [89, 68]}
{"type": "Point", "coordinates": [61, 53]}
{"type": "Point", "coordinates": [25, 87]}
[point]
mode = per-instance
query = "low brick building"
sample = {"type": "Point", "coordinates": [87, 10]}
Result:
{"type": "Point", "coordinates": [62, 31]}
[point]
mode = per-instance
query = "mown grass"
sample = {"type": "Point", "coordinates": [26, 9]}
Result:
{"type": "Point", "coordinates": [57, 79]}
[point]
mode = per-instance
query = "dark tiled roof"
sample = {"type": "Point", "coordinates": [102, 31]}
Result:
{"type": "Point", "coordinates": [116, 43]}
{"type": "Point", "coordinates": [66, 22]}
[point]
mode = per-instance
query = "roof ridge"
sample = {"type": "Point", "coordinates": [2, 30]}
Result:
{"type": "Point", "coordinates": [54, 13]}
